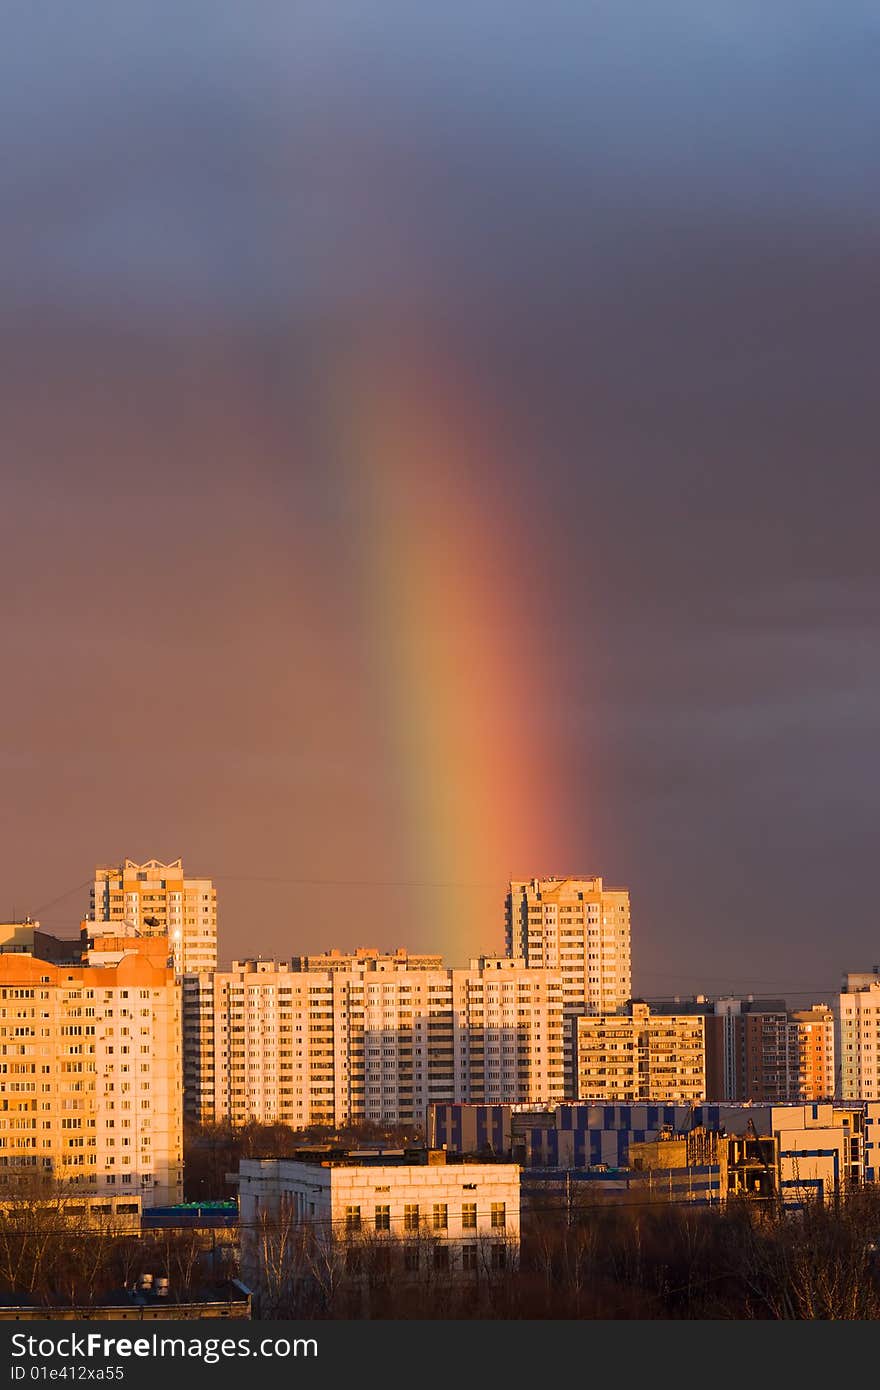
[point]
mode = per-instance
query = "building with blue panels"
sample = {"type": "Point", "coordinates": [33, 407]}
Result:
{"type": "Point", "coordinates": [816, 1149]}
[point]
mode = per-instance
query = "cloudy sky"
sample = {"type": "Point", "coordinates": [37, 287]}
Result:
{"type": "Point", "coordinates": [440, 443]}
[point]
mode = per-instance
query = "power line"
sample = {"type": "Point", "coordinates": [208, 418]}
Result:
{"type": "Point", "coordinates": [725, 979]}
{"type": "Point", "coordinates": [355, 882]}
{"type": "Point", "coordinates": [600, 1202]}
{"type": "Point", "coordinates": [45, 906]}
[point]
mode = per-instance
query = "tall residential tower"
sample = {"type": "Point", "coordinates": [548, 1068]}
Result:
{"type": "Point", "coordinates": [582, 929]}
{"type": "Point", "coordinates": [91, 1082]}
{"type": "Point", "coordinates": [157, 898]}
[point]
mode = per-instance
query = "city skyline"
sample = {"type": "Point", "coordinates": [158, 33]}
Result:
{"type": "Point", "coordinates": [442, 450]}
{"type": "Point", "coordinates": [680, 986]}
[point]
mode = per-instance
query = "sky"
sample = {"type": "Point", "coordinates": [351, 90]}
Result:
{"type": "Point", "coordinates": [439, 445]}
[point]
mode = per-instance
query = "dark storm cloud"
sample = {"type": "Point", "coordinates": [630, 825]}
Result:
{"type": "Point", "coordinates": [198, 155]}
{"type": "Point", "coordinates": [650, 233]}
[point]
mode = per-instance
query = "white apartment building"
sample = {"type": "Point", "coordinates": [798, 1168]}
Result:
{"type": "Point", "coordinates": [455, 1218]}
{"type": "Point", "coordinates": [858, 1037]}
{"type": "Point", "coordinates": [376, 1041]}
{"type": "Point", "coordinates": [582, 929]}
{"type": "Point", "coordinates": [641, 1056]}
{"type": "Point", "coordinates": [91, 1075]}
{"type": "Point", "coordinates": [157, 898]}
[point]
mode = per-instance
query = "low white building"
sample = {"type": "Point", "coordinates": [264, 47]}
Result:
{"type": "Point", "coordinates": [439, 1218]}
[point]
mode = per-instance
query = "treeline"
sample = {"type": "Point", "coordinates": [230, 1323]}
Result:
{"type": "Point", "coordinates": [576, 1260]}
{"type": "Point", "coordinates": [212, 1151]}
{"type": "Point", "coordinates": [659, 1261]}
{"type": "Point", "coordinates": [48, 1260]}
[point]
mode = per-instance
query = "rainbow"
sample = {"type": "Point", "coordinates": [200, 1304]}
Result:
{"type": "Point", "coordinates": [455, 668]}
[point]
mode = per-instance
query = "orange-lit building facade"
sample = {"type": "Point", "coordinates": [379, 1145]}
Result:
{"type": "Point", "coordinates": [158, 898]}
{"type": "Point", "coordinates": [759, 1050]}
{"type": "Point", "coordinates": [582, 929]}
{"type": "Point", "coordinates": [91, 1075]}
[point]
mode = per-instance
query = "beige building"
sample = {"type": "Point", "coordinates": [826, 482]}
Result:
{"type": "Point", "coordinates": [344, 960]}
{"type": "Point", "coordinates": [582, 929]}
{"type": "Point", "coordinates": [376, 1041]}
{"type": "Point", "coordinates": [26, 938]}
{"type": "Point", "coordinates": [641, 1056]}
{"type": "Point", "coordinates": [456, 1218]}
{"type": "Point", "coordinates": [91, 1075]}
{"type": "Point", "coordinates": [858, 1037]}
{"type": "Point", "coordinates": [157, 898]}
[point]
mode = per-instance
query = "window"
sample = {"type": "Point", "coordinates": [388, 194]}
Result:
{"type": "Point", "coordinates": [411, 1218]}
{"type": "Point", "coordinates": [352, 1220]}
{"type": "Point", "coordinates": [469, 1215]}
{"type": "Point", "coordinates": [441, 1256]}
{"type": "Point", "coordinates": [499, 1257]}
{"type": "Point", "coordinates": [411, 1257]}
{"type": "Point", "coordinates": [468, 1257]}
{"type": "Point", "coordinates": [441, 1216]}
{"type": "Point", "coordinates": [383, 1218]}
{"type": "Point", "coordinates": [498, 1215]}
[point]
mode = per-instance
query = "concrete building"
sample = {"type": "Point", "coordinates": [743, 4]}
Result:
{"type": "Point", "coordinates": [582, 929]}
{"type": "Point", "coordinates": [819, 1149]}
{"type": "Point", "coordinates": [751, 1037]}
{"type": "Point", "coordinates": [91, 1075]}
{"type": "Point", "coordinates": [345, 960]}
{"type": "Point", "coordinates": [26, 938]}
{"type": "Point", "coordinates": [157, 898]}
{"type": "Point", "coordinates": [641, 1056]}
{"type": "Point", "coordinates": [759, 1050]}
{"type": "Point", "coordinates": [448, 1217]}
{"type": "Point", "coordinates": [469, 1128]}
{"type": "Point", "coordinates": [811, 1053]}
{"type": "Point", "coordinates": [858, 1037]}
{"type": "Point", "coordinates": [377, 1041]}
{"type": "Point", "coordinates": [72, 1209]}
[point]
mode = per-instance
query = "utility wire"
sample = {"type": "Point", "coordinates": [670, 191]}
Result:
{"type": "Point", "coordinates": [354, 882]}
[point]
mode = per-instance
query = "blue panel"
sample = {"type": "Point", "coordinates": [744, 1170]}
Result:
{"type": "Point", "coordinates": [608, 1118]}
{"type": "Point", "coordinates": [481, 1126]}
{"type": "Point", "coordinates": [653, 1116]}
{"type": "Point", "coordinates": [809, 1153]}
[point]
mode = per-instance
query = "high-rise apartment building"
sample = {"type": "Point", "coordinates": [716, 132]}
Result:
{"type": "Point", "coordinates": [157, 898]}
{"type": "Point", "coordinates": [377, 1041]}
{"type": "Point", "coordinates": [582, 929]}
{"type": "Point", "coordinates": [641, 1056]}
{"type": "Point", "coordinates": [811, 1053]}
{"type": "Point", "coordinates": [91, 1074]}
{"type": "Point", "coordinates": [759, 1050]}
{"type": "Point", "coordinates": [858, 1036]}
